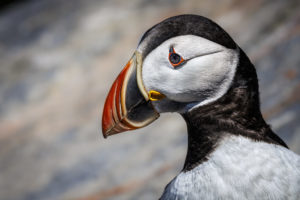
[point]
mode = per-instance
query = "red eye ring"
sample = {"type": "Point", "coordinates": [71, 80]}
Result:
{"type": "Point", "coordinates": [174, 58]}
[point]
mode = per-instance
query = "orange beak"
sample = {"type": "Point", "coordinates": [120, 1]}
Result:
{"type": "Point", "coordinates": [127, 106]}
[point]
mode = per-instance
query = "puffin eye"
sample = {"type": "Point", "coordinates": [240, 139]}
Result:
{"type": "Point", "coordinates": [174, 58]}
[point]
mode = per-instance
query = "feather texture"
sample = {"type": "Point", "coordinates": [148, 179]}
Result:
{"type": "Point", "coordinates": [240, 168]}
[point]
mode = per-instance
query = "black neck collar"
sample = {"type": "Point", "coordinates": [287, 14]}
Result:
{"type": "Point", "coordinates": [236, 113]}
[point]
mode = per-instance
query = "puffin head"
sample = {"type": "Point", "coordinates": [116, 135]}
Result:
{"type": "Point", "coordinates": [182, 63]}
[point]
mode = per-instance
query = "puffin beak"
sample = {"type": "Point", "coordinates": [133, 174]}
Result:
{"type": "Point", "coordinates": [128, 106]}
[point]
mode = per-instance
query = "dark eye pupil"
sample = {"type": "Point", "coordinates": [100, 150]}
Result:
{"type": "Point", "coordinates": [175, 58]}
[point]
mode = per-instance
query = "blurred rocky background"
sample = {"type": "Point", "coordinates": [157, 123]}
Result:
{"type": "Point", "coordinates": [58, 61]}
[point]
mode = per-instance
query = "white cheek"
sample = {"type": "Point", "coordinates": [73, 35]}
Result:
{"type": "Point", "coordinates": [203, 78]}
{"type": "Point", "coordinates": [209, 70]}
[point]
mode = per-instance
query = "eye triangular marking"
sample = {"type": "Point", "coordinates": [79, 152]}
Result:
{"type": "Point", "coordinates": [171, 50]}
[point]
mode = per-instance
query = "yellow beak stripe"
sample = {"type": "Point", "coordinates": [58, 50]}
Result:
{"type": "Point", "coordinates": [155, 95]}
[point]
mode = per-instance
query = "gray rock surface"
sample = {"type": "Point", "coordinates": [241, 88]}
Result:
{"type": "Point", "coordinates": [58, 60]}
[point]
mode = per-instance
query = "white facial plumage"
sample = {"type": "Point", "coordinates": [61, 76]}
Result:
{"type": "Point", "coordinates": [205, 77]}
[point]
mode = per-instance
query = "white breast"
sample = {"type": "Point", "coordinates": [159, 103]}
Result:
{"type": "Point", "coordinates": [241, 169]}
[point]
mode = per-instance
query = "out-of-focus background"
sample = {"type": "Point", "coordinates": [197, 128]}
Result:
{"type": "Point", "coordinates": [58, 61]}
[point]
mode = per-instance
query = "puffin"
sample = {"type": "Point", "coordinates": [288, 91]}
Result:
{"type": "Point", "coordinates": [189, 65]}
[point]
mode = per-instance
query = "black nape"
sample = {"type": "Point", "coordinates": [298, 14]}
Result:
{"type": "Point", "coordinates": [236, 113]}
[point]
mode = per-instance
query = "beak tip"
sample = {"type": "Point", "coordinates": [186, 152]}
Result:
{"type": "Point", "coordinates": [104, 135]}
{"type": "Point", "coordinates": [105, 131]}
{"type": "Point", "coordinates": [110, 130]}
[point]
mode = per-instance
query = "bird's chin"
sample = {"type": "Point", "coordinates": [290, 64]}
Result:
{"type": "Point", "coordinates": [127, 106]}
{"type": "Point", "coordinates": [167, 105]}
